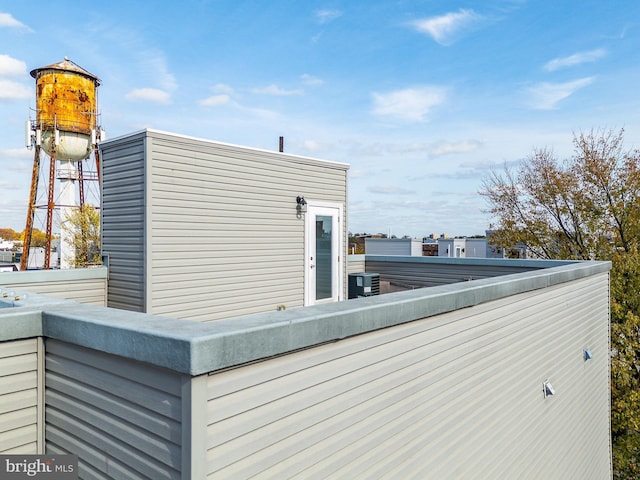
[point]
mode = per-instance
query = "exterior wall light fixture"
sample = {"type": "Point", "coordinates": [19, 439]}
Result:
{"type": "Point", "coordinates": [301, 206]}
{"type": "Point", "coordinates": [587, 355]}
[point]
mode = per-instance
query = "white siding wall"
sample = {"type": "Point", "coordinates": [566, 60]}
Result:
{"type": "Point", "coordinates": [416, 248]}
{"type": "Point", "coordinates": [390, 246]}
{"type": "Point", "coordinates": [475, 248]}
{"type": "Point", "coordinates": [122, 418]}
{"type": "Point", "coordinates": [123, 221]}
{"type": "Point", "coordinates": [19, 394]}
{"type": "Point", "coordinates": [88, 286]}
{"type": "Point", "coordinates": [458, 395]}
{"type": "Point", "coordinates": [226, 237]}
{"type": "Point", "coordinates": [223, 235]}
{"type": "Point", "coordinates": [356, 264]}
{"type": "Point", "coordinates": [445, 247]}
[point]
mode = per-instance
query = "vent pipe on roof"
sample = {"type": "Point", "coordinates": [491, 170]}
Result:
{"type": "Point", "coordinates": [281, 149]}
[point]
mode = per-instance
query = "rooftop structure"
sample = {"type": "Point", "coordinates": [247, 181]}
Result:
{"type": "Point", "coordinates": [232, 355]}
{"type": "Point", "coordinates": [203, 230]}
{"type": "Point", "coordinates": [501, 371]}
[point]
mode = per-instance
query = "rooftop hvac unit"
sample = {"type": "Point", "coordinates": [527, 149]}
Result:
{"type": "Point", "coordinates": [364, 284]}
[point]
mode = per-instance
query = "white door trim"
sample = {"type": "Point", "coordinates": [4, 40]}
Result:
{"type": "Point", "coordinates": [336, 210]}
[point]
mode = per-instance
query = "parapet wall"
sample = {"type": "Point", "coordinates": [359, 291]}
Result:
{"type": "Point", "coordinates": [441, 382]}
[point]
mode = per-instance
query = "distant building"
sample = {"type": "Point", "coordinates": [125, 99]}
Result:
{"type": "Point", "coordinates": [462, 247]}
{"type": "Point", "coordinates": [36, 258]}
{"type": "Point", "coordinates": [430, 249]}
{"type": "Point", "coordinates": [393, 246]}
{"type": "Point", "coordinates": [6, 244]}
{"type": "Point", "coordinates": [518, 250]}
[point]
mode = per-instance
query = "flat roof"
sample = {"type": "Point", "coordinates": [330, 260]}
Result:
{"type": "Point", "coordinates": [145, 131]}
{"type": "Point", "coordinates": [196, 348]}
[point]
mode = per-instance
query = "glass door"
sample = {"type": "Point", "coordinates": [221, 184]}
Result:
{"type": "Point", "coordinates": [323, 251]}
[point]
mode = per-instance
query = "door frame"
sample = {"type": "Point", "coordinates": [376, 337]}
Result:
{"type": "Point", "coordinates": [336, 210]}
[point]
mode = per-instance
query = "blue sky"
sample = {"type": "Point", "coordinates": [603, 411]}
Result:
{"type": "Point", "coordinates": [421, 98]}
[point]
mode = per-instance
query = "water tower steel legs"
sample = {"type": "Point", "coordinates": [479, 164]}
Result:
{"type": "Point", "coordinates": [80, 183]}
{"type": "Point", "coordinates": [96, 154]}
{"type": "Point", "coordinates": [31, 210]}
{"type": "Point", "coordinates": [50, 208]}
{"type": "Point", "coordinates": [75, 171]}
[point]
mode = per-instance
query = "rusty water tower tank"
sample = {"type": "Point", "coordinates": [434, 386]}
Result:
{"type": "Point", "coordinates": [66, 110]}
{"type": "Point", "coordinates": [67, 133]}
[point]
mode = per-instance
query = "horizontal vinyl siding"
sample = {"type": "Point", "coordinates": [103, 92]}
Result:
{"type": "Point", "coordinates": [458, 395]}
{"type": "Point", "coordinates": [356, 264]}
{"type": "Point", "coordinates": [226, 238]}
{"type": "Point", "coordinates": [430, 275]}
{"type": "Point", "coordinates": [123, 216]}
{"type": "Point", "coordinates": [19, 397]}
{"type": "Point", "coordinates": [122, 418]}
{"type": "Point", "coordinates": [388, 247]}
{"type": "Point", "coordinates": [89, 291]}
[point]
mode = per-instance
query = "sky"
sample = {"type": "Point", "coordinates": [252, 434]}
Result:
{"type": "Point", "coordinates": [421, 98]}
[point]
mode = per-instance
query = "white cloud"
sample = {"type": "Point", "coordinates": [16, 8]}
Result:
{"type": "Point", "coordinates": [447, 148]}
{"type": "Point", "coordinates": [11, 67]}
{"type": "Point", "coordinates": [7, 20]}
{"type": "Point", "coordinates": [15, 153]}
{"type": "Point", "coordinates": [215, 100]}
{"type": "Point", "coordinates": [545, 96]}
{"type": "Point", "coordinates": [275, 90]}
{"type": "Point", "coordinates": [575, 59]}
{"type": "Point", "coordinates": [410, 104]}
{"type": "Point", "coordinates": [153, 95]}
{"type": "Point", "coordinates": [325, 16]}
{"type": "Point", "coordinates": [310, 79]}
{"type": "Point", "coordinates": [390, 190]}
{"type": "Point", "coordinates": [10, 90]}
{"type": "Point", "coordinates": [359, 173]}
{"type": "Point", "coordinates": [313, 146]}
{"type": "Point", "coordinates": [222, 88]}
{"type": "Point", "coordinates": [222, 96]}
{"type": "Point", "coordinates": [434, 149]}
{"type": "Point", "coordinates": [154, 63]}
{"type": "Point", "coordinates": [445, 29]}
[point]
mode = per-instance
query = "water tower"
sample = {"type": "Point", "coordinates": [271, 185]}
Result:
{"type": "Point", "coordinates": [65, 135]}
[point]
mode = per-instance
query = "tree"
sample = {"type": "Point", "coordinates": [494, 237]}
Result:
{"type": "Point", "coordinates": [583, 208]}
{"type": "Point", "coordinates": [10, 234]}
{"type": "Point", "coordinates": [586, 207]}
{"type": "Point", "coordinates": [625, 364]}
{"type": "Point", "coordinates": [38, 238]}
{"type": "Point", "coordinates": [82, 228]}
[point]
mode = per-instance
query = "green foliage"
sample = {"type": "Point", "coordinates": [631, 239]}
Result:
{"type": "Point", "coordinates": [38, 238]}
{"type": "Point", "coordinates": [625, 364]}
{"type": "Point", "coordinates": [10, 234]}
{"type": "Point", "coordinates": [83, 228]}
{"type": "Point", "coordinates": [586, 207]}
